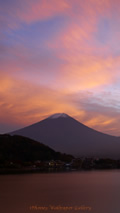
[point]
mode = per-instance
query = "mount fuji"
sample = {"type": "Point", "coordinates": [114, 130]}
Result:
{"type": "Point", "coordinates": [65, 134]}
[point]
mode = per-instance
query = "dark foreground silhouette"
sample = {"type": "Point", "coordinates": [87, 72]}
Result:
{"type": "Point", "coordinates": [19, 154]}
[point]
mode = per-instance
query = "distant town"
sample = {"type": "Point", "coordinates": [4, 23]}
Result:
{"type": "Point", "coordinates": [19, 154]}
{"type": "Point", "coordinates": [58, 165]}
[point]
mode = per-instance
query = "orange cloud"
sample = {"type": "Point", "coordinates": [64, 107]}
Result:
{"type": "Point", "coordinates": [89, 73]}
{"type": "Point", "coordinates": [106, 124]}
{"type": "Point", "coordinates": [25, 103]}
{"type": "Point", "coordinates": [85, 63]}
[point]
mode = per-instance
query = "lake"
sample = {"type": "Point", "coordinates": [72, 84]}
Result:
{"type": "Point", "coordinates": [78, 191]}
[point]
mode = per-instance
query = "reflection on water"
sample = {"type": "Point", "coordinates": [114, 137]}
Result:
{"type": "Point", "coordinates": [91, 191]}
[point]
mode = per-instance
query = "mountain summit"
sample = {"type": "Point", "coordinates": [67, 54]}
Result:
{"type": "Point", "coordinates": [65, 134]}
{"type": "Point", "coordinates": [59, 115]}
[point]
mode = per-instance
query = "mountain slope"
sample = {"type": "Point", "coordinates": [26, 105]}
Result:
{"type": "Point", "coordinates": [63, 133]}
{"type": "Point", "coordinates": [21, 149]}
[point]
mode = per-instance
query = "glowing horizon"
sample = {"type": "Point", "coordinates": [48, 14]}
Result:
{"type": "Point", "coordinates": [60, 56]}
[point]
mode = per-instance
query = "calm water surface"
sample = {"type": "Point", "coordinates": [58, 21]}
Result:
{"type": "Point", "coordinates": [95, 191]}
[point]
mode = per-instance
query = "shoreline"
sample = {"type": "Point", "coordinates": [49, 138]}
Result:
{"type": "Point", "coordinates": [48, 170]}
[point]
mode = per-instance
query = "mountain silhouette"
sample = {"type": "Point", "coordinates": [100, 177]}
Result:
{"type": "Point", "coordinates": [20, 149]}
{"type": "Point", "coordinates": [65, 134]}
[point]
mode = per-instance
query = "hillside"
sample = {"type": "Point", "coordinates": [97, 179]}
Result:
{"type": "Point", "coordinates": [21, 149]}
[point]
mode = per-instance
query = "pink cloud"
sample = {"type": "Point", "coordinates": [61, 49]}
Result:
{"type": "Point", "coordinates": [29, 11]}
{"type": "Point", "coordinates": [24, 97]}
{"type": "Point", "coordinates": [24, 103]}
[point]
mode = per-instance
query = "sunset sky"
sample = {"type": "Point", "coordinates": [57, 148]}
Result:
{"type": "Point", "coordinates": [60, 56]}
